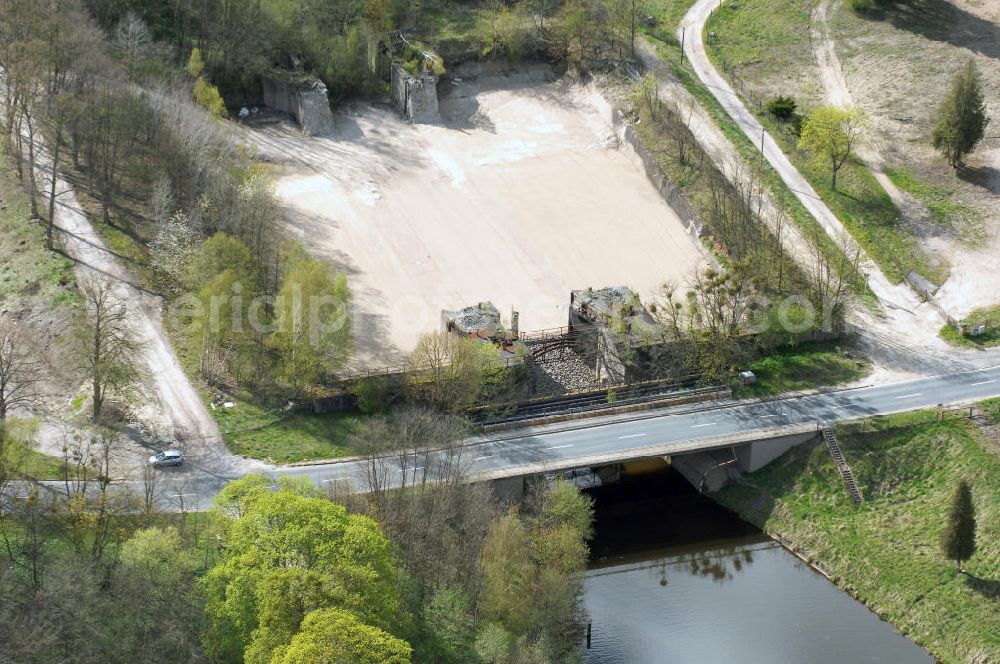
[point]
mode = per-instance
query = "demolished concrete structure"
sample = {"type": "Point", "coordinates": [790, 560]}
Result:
{"type": "Point", "coordinates": [609, 322]}
{"type": "Point", "coordinates": [415, 95]}
{"type": "Point", "coordinates": [482, 321]}
{"type": "Point", "coordinates": [306, 100]}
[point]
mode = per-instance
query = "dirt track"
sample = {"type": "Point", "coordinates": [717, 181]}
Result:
{"type": "Point", "coordinates": [174, 410]}
{"type": "Point", "coordinates": [975, 276]}
{"type": "Point", "coordinates": [520, 195]}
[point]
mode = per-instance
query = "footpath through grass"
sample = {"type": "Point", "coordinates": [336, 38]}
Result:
{"type": "Point", "coordinates": [662, 37]}
{"type": "Point", "coordinates": [886, 551]}
{"type": "Point", "coordinates": [803, 368]}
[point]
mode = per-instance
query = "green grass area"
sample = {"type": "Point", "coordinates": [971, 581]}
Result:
{"type": "Point", "coordinates": [945, 210]}
{"type": "Point", "coordinates": [745, 36]}
{"type": "Point", "coordinates": [265, 433]}
{"type": "Point", "coordinates": [42, 466]}
{"type": "Point", "coordinates": [765, 40]}
{"type": "Point", "coordinates": [803, 368]}
{"type": "Point", "coordinates": [873, 220]}
{"type": "Point", "coordinates": [886, 551]}
{"type": "Point", "coordinates": [29, 273]}
{"type": "Point", "coordinates": [990, 317]}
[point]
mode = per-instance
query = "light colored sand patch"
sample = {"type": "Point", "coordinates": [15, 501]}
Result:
{"type": "Point", "coordinates": [518, 200]}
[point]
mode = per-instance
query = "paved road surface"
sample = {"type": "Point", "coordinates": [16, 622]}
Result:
{"type": "Point", "coordinates": [517, 452]}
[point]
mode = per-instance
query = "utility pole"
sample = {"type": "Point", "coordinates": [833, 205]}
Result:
{"type": "Point", "coordinates": [762, 150]}
{"type": "Point", "coordinates": [683, 31]}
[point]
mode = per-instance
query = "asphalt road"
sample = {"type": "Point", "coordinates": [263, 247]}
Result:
{"type": "Point", "coordinates": [564, 446]}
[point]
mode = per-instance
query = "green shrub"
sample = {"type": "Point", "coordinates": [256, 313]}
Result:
{"type": "Point", "coordinates": [782, 108]}
{"type": "Point", "coordinates": [862, 6]}
{"type": "Point", "coordinates": [372, 395]}
{"type": "Point", "coordinates": [207, 95]}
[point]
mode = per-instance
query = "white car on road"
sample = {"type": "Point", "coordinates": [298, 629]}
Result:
{"type": "Point", "coordinates": [167, 458]}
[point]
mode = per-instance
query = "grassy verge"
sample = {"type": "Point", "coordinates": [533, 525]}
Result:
{"type": "Point", "coordinates": [41, 466]}
{"type": "Point", "coordinates": [29, 273]}
{"type": "Point", "coordinates": [885, 551]}
{"type": "Point", "coordinates": [989, 317]}
{"type": "Point", "coordinates": [803, 368]}
{"type": "Point", "coordinates": [264, 433]}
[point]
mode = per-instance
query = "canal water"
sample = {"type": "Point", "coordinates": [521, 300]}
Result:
{"type": "Point", "coordinates": [676, 578]}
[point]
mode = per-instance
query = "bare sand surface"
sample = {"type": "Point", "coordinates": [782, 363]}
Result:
{"type": "Point", "coordinates": [521, 194]}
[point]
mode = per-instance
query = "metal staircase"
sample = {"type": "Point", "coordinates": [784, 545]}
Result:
{"type": "Point", "coordinates": [845, 470]}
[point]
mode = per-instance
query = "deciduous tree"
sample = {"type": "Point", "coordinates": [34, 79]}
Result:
{"type": "Point", "coordinates": [288, 552]}
{"type": "Point", "coordinates": [334, 636]}
{"type": "Point", "coordinates": [313, 332]}
{"type": "Point", "coordinates": [20, 374]}
{"type": "Point", "coordinates": [831, 134]}
{"type": "Point", "coordinates": [108, 347]}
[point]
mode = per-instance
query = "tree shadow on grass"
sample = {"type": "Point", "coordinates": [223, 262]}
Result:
{"type": "Point", "coordinates": [989, 588]}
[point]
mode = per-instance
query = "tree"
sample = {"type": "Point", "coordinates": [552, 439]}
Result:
{"type": "Point", "coordinates": [157, 559]}
{"type": "Point", "coordinates": [19, 374]}
{"type": "Point", "coordinates": [961, 118]}
{"type": "Point", "coordinates": [445, 370]}
{"type": "Point", "coordinates": [508, 574]}
{"type": "Point", "coordinates": [290, 552]}
{"type": "Point", "coordinates": [132, 38]}
{"type": "Point", "coordinates": [108, 347]}
{"type": "Point", "coordinates": [648, 92]}
{"type": "Point", "coordinates": [448, 614]}
{"type": "Point", "coordinates": [958, 541]}
{"type": "Point", "coordinates": [312, 334]}
{"type": "Point", "coordinates": [831, 134]}
{"type": "Point", "coordinates": [334, 636]}
{"type": "Point", "coordinates": [195, 65]}
{"type": "Point", "coordinates": [207, 95]}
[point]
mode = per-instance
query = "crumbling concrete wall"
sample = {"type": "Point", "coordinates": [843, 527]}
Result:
{"type": "Point", "coordinates": [307, 102]}
{"type": "Point", "coordinates": [415, 96]}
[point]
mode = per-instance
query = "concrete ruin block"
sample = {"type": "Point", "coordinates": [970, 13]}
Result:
{"type": "Point", "coordinates": [307, 102]}
{"type": "Point", "coordinates": [415, 96]}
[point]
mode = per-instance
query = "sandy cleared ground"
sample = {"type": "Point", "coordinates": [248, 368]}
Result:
{"type": "Point", "coordinates": [520, 195]}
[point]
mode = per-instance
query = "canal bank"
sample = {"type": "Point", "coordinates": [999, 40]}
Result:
{"type": "Point", "coordinates": [886, 551]}
{"type": "Point", "coordinates": [675, 577]}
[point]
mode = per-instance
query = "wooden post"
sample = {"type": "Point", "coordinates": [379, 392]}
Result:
{"type": "Point", "coordinates": [589, 625]}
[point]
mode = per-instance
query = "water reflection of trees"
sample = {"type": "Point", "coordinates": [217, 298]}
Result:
{"type": "Point", "coordinates": [719, 564]}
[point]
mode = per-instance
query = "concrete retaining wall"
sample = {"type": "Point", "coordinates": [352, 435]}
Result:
{"type": "Point", "coordinates": [668, 192]}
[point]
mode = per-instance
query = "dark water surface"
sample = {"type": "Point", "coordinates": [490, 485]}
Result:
{"type": "Point", "coordinates": [676, 578]}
